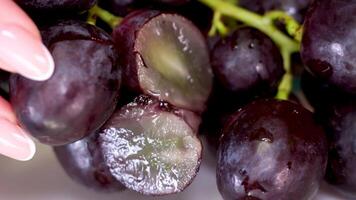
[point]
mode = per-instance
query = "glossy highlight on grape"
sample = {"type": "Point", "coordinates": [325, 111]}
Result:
{"type": "Point", "coordinates": [149, 148]}
{"type": "Point", "coordinates": [83, 91]}
{"type": "Point", "coordinates": [83, 161]}
{"type": "Point", "coordinates": [271, 149]}
{"type": "Point", "coordinates": [328, 47]}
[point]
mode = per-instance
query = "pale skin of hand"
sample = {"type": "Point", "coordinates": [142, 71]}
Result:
{"type": "Point", "coordinates": [22, 52]}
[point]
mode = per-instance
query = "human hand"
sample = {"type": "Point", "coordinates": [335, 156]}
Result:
{"type": "Point", "coordinates": [22, 52]}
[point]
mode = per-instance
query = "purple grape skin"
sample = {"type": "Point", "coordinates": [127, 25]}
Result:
{"type": "Point", "coordinates": [172, 2]}
{"type": "Point", "coordinates": [83, 91]}
{"type": "Point", "coordinates": [337, 112]}
{"type": "Point", "coordinates": [295, 8]}
{"type": "Point", "coordinates": [247, 61]}
{"type": "Point", "coordinates": [126, 37]}
{"type": "Point", "coordinates": [339, 121]}
{"type": "Point", "coordinates": [83, 161]}
{"type": "Point", "coordinates": [56, 5]}
{"type": "Point", "coordinates": [271, 149]}
{"type": "Point", "coordinates": [119, 7]}
{"type": "Point", "coordinates": [246, 64]}
{"type": "Point", "coordinates": [328, 45]}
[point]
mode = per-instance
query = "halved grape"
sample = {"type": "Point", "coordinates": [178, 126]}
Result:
{"type": "Point", "coordinates": [150, 149]}
{"type": "Point", "coordinates": [83, 91]}
{"type": "Point", "coordinates": [271, 149]}
{"type": "Point", "coordinates": [165, 56]}
{"type": "Point", "coordinates": [83, 161]}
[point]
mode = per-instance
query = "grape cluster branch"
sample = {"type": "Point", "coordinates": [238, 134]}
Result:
{"type": "Point", "coordinates": [266, 24]}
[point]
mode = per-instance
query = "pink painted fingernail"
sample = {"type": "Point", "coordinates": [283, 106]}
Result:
{"type": "Point", "coordinates": [14, 142]}
{"type": "Point", "coordinates": [22, 53]}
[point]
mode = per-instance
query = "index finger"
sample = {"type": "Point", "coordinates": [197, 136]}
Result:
{"type": "Point", "coordinates": [11, 13]}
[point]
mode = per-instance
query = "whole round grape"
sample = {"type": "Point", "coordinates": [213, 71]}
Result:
{"type": "Point", "coordinates": [339, 121]}
{"type": "Point", "coordinates": [269, 150]}
{"type": "Point", "coordinates": [295, 8]}
{"type": "Point", "coordinates": [247, 62]}
{"type": "Point", "coordinates": [165, 56]}
{"type": "Point", "coordinates": [83, 161]}
{"type": "Point", "coordinates": [83, 91]}
{"type": "Point", "coordinates": [57, 5]}
{"type": "Point", "coordinates": [329, 47]}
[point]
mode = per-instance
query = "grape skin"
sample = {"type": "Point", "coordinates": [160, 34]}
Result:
{"type": "Point", "coordinates": [83, 91]}
{"type": "Point", "coordinates": [173, 65]}
{"type": "Point", "coordinates": [270, 150]}
{"type": "Point", "coordinates": [83, 161]}
{"type": "Point", "coordinates": [56, 5]}
{"type": "Point", "coordinates": [328, 47]}
{"type": "Point", "coordinates": [295, 8]}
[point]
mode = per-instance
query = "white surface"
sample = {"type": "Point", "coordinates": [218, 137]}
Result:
{"type": "Point", "coordinates": [43, 179]}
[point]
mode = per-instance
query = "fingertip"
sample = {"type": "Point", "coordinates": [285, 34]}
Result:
{"type": "Point", "coordinates": [15, 142]}
{"type": "Point", "coordinates": [21, 53]}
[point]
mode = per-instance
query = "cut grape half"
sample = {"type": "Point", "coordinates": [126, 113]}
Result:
{"type": "Point", "coordinates": [167, 57]}
{"type": "Point", "coordinates": [150, 150]}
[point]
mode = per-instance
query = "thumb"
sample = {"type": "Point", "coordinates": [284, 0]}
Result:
{"type": "Point", "coordinates": [21, 49]}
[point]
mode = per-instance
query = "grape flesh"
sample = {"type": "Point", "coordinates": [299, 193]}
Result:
{"type": "Point", "coordinates": [172, 65]}
{"type": "Point", "coordinates": [57, 5]}
{"type": "Point", "coordinates": [150, 149]}
{"type": "Point", "coordinates": [83, 91]}
{"type": "Point", "coordinates": [83, 161]}
{"type": "Point", "coordinates": [295, 8]}
{"type": "Point", "coordinates": [328, 47]}
{"type": "Point", "coordinates": [271, 149]}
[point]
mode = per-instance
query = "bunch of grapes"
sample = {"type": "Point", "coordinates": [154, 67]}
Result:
{"type": "Point", "coordinates": [138, 82]}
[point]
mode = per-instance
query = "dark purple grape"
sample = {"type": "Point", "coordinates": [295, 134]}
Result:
{"type": "Point", "coordinates": [83, 161]}
{"type": "Point", "coordinates": [247, 62]}
{"type": "Point", "coordinates": [339, 121]}
{"type": "Point", "coordinates": [165, 55]}
{"type": "Point", "coordinates": [150, 149]}
{"type": "Point", "coordinates": [83, 91]}
{"type": "Point", "coordinates": [172, 2]}
{"type": "Point", "coordinates": [295, 8]}
{"type": "Point", "coordinates": [57, 6]}
{"type": "Point", "coordinates": [337, 112]}
{"type": "Point", "coordinates": [119, 7]}
{"type": "Point", "coordinates": [319, 93]}
{"type": "Point", "coordinates": [271, 150]}
{"type": "Point", "coordinates": [328, 47]}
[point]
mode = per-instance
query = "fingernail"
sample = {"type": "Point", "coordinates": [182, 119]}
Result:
{"type": "Point", "coordinates": [14, 142]}
{"type": "Point", "coordinates": [22, 53]}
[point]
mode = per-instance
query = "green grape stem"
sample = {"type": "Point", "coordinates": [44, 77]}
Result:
{"type": "Point", "coordinates": [266, 25]}
{"type": "Point", "coordinates": [106, 16]}
{"type": "Point", "coordinates": [218, 26]}
{"type": "Point", "coordinates": [292, 26]}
